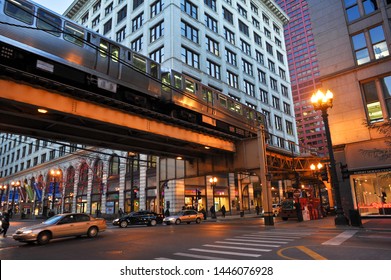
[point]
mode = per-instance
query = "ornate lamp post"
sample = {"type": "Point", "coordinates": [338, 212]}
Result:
{"type": "Point", "coordinates": [2, 188]}
{"type": "Point", "coordinates": [15, 186]}
{"type": "Point", "coordinates": [55, 173]}
{"type": "Point", "coordinates": [322, 101]}
{"type": "Point", "coordinates": [213, 183]}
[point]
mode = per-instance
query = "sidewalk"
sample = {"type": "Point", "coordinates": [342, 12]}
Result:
{"type": "Point", "coordinates": [378, 224]}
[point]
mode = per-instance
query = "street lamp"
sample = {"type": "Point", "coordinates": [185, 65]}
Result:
{"type": "Point", "coordinates": [15, 185]}
{"type": "Point", "coordinates": [55, 173]}
{"type": "Point", "coordinates": [322, 101]}
{"type": "Point", "coordinates": [213, 182]}
{"type": "Point", "coordinates": [2, 188]}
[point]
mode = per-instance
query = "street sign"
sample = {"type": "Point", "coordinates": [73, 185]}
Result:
{"type": "Point", "coordinates": [297, 193]}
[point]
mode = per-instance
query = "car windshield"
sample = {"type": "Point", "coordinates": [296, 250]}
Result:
{"type": "Point", "coordinates": [53, 220]}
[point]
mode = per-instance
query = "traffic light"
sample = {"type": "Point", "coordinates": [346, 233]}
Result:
{"type": "Point", "coordinates": [198, 194]}
{"type": "Point", "coordinates": [344, 171]}
{"type": "Point", "coordinates": [324, 174]}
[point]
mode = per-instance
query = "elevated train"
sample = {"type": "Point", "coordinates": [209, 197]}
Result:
{"type": "Point", "coordinates": [39, 41]}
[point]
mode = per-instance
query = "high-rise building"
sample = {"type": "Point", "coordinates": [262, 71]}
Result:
{"type": "Point", "coordinates": [353, 39]}
{"type": "Point", "coordinates": [304, 74]}
{"type": "Point", "coordinates": [234, 46]}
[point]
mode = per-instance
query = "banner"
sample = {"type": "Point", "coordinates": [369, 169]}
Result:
{"type": "Point", "coordinates": [38, 192]}
{"type": "Point", "coordinates": [29, 191]}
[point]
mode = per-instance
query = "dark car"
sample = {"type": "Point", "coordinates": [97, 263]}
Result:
{"type": "Point", "coordinates": [148, 218]}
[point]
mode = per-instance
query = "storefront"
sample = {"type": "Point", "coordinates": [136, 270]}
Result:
{"type": "Point", "coordinates": [372, 192]}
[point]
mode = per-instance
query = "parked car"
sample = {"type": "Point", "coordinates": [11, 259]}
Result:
{"type": "Point", "coordinates": [61, 225]}
{"type": "Point", "coordinates": [185, 216]}
{"type": "Point", "coordinates": [148, 218]}
{"type": "Point", "coordinates": [288, 209]}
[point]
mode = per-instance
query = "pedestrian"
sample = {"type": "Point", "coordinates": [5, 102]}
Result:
{"type": "Point", "coordinates": [223, 211]}
{"type": "Point", "coordinates": [120, 212]}
{"type": "Point", "coordinates": [203, 213]}
{"type": "Point", "coordinates": [212, 212]}
{"type": "Point", "coordinates": [167, 213]}
{"type": "Point", "coordinates": [257, 209]}
{"type": "Point", "coordinates": [5, 224]}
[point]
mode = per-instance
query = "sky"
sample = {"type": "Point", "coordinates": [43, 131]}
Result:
{"type": "Point", "coordinates": [58, 6]}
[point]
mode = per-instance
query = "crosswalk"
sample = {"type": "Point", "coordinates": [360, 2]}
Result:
{"type": "Point", "coordinates": [246, 246]}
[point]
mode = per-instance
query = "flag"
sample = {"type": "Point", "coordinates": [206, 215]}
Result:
{"type": "Point", "coordinates": [29, 191]}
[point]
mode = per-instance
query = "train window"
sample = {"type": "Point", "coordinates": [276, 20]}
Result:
{"type": "Point", "coordinates": [114, 53]}
{"type": "Point", "coordinates": [74, 34]}
{"type": "Point", "coordinates": [223, 100]}
{"type": "Point", "coordinates": [190, 86]}
{"type": "Point", "coordinates": [49, 22]}
{"type": "Point", "coordinates": [177, 80]}
{"type": "Point", "coordinates": [21, 10]}
{"type": "Point", "coordinates": [166, 81]}
{"type": "Point", "coordinates": [103, 48]}
{"type": "Point", "coordinates": [140, 63]}
{"type": "Point", "coordinates": [207, 95]}
{"type": "Point", "coordinates": [235, 106]}
{"type": "Point", "coordinates": [154, 69]}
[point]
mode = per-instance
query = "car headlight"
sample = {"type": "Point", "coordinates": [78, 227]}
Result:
{"type": "Point", "coordinates": [116, 220]}
{"type": "Point", "coordinates": [27, 231]}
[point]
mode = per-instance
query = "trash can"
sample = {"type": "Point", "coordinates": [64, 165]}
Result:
{"type": "Point", "coordinates": [355, 218]}
{"type": "Point", "coordinates": [241, 213]}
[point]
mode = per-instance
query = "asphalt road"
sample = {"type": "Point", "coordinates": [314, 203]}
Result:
{"type": "Point", "coordinates": [241, 239]}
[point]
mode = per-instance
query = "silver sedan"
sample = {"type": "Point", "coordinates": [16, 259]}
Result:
{"type": "Point", "coordinates": [186, 216]}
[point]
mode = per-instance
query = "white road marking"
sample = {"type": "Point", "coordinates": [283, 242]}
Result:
{"type": "Point", "coordinates": [198, 256]}
{"type": "Point", "coordinates": [237, 248]}
{"type": "Point", "coordinates": [340, 238]}
{"type": "Point", "coordinates": [225, 253]}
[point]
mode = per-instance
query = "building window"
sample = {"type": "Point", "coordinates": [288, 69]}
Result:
{"type": "Point", "coordinates": [156, 31]}
{"type": "Point", "coordinates": [269, 48]}
{"type": "Point", "coordinates": [137, 3]}
{"type": "Point", "coordinates": [267, 33]}
{"type": "Point", "coordinates": [212, 46]}
{"type": "Point", "coordinates": [84, 18]}
{"type": "Point", "coordinates": [107, 26]}
{"type": "Point", "coordinates": [137, 44]}
{"type": "Point", "coordinates": [376, 48]}
{"type": "Point", "coordinates": [109, 9]}
{"type": "Point", "coordinates": [247, 67]}
{"type": "Point", "coordinates": [264, 96]}
{"type": "Point", "coordinates": [256, 23]}
{"type": "Point", "coordinates": [284, 91]}
{"type": "Point", "coordinates": [271, 66]}
{"type": "Point", "coordinates": [280, 57]}
{"type": "Point", "coordinates": [157, 55]}
{"type": "Point", "coordinates": [254, 8]}
{"type": "Point", "coordinates": [246, 48]}
{"type": "Point", "coordinates": [189, 32]}
{"type": "Point", "coordinates": [189, 8]}
{"type": "Point", "coordinates": [228, 16]}
{"type": "Point", "coordinates": [95, 21]}
{"type": "Point", "coordinates": [156, 8]}
{"type": "Point", "coordinates": [120, 36]}
{"type": "Point", "coordinates": [262, 77]}
{"type": "Point", "coordinates": [278, 122]}
{"type": "Point", "coordinates": [289, 127]}
{"type": "Point", "coordinates": [230, 57]}
{"type": "Point", "coordinates": [229, 36]}
{"type": "Point", "coordinates": [372, 102]}
{"type": "Point", "coordinates": [352, 8]}
{"type": "Point", "coordinates": [190, 57]}
{"type": "Point", "coordinates": [232, 80]}
{"type": "Point", "coordinates": [273, 84]}
{"type": "Point", "coordinates": [276, 29]}
{"type": "Point", "coordinates": [96, 7]}
{"type": "Point", "coordinates": [242, 11]}
{"type": "Point", "coordinates": [257, 39]}
{"type": "Point", "coordinates": [259, 57]}
{"type": "Point", "coordinates": [386, 87]}
{"type": "Point", "coordinates": [282, 73]}
{"type": "Point", "coordinates": [211, 4]}
{"type": "Point", "coordinates": [211, 23]}
{"type": "Point", "coordinates": [122, 14]}
{"type": "Point", "coordinates": [265, 19]}
{"type": "Point", "coordinates": [249, 88]}
{"type": "Point", "coordinates": [287, 108]}
{"type": "Point", "coordinates": [137, 22]}
{"type": "Point", "coordinates": [276, 102]}
{"type": "Point", "coordinates": [213, 69]}
{"type": "Point", "coordinates": [243, 28]}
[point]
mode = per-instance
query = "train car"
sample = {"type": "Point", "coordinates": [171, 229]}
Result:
{"type": "Point", "coordinates": [39, 41]}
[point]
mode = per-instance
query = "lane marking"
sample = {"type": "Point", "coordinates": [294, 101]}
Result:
{"type": "Point", "coordinates": [198, 256]}
{"type": "Point", "coordinates": [250, 244]}
{"type": "Point", "coordinates": [340, 238]}
{"type": "Point", "coordinates": [226, 253]}
{"type": "Point", "coordinates": [256, 241]}
{"type": "Point", "coordinates": [265, 238]}
{"type": "Point", "coordinates": [305, 250]}
{"type": "Point", "coordinates": [237, 248]}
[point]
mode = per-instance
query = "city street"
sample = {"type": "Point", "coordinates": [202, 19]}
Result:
{"type": "Point", "coordinates": [230, 238]}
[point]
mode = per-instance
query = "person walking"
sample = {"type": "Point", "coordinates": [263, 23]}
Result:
{"type": "Point", "coordinates": [213, 212]}
{"type": "Point", "coordinates": [5, 223]}
{"type": "Point", "coordinates": [120, 212]}
{"type": "Point", "coordinates": [223, 211]}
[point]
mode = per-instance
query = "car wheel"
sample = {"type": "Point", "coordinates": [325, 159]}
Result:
{"type": "Point", "coordinates": [92, 232]}
{"type": "Point", "coordinates": [177, 221]}
{"type": "Point", "coordinates": [285, 218]}
{"type": "Point", "coordinates": [198, 220]}
{"type": "Point", "coordinates": [153, 223]}
{"type": "Point", "coordinates": [123, 224]}
{"type": "Point", "coordinates": [188, 222]}
{"type": "Point", "coordinates": [44, 237]}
